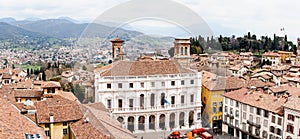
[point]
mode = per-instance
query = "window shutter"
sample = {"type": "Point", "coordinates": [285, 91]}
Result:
{"type": "Point", "coordinates": [292, 129]}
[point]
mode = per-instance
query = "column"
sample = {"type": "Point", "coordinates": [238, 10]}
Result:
{"type": "Point", "coordinates": [186, 119]}
{"type": "Point", "coordinates": [157, 122]}
{"type": "Point", "coordinates": [176, 120]}
{"type": "Point", "coordinates": [146, 124]}
{"type": "Point", "coordinates": [167, 121]}
{"type": "Point", "coordinates": [125, 122]}
{"type": "Point", "coordinates": [136, 123]}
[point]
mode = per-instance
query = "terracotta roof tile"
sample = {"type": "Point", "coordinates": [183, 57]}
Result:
{"type": "Point", "coordinates": [258, 99]}
{"type": "Point", "coordinates": [137, 68]}
{"type": "Point", "coordinates": [14, 125]}
{"type": "Point", "coordinates": [61, 108]}
{"type": "Point", "coordinates": [27, 93]}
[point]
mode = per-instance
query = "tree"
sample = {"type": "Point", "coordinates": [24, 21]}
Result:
{"type": "Point", "coordinates": [84, 67]}
{"type": "Point", "coordinates": [44, 76]}
{"type": "Point", "coordinates": [171, 51]}
{"type": "Point", "coordinates": [79, 92]}
{"type": "Point", "coordinates": [28, 71]}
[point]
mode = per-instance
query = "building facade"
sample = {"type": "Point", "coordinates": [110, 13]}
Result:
{"type": "Point", "coordinates": [251, 114]}
{"type": "Point", "coordinates": [150, 95]}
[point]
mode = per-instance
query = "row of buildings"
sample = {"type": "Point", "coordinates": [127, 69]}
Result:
{"type": "Point", "coordinates": [41, 109]}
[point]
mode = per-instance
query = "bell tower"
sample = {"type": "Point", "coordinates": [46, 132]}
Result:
{"type": "Point", "coordinates": [117, 49]}
{"type": "Point", "coordinates": [182, 49]}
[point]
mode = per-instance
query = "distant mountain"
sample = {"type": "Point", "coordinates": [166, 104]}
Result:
{"type": "Point", "coordinates": [32, 19]}
{"type": "Point", "coordinates": [12, 32]}
{"type": "Point", "coordinates": [7, 20]}
{"type": "Point", "coordinates": [70, 19]}
{"type": "Point", "coordinates": [62, 28]}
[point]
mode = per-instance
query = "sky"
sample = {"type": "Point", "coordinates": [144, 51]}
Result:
{"type": "Point", "coordinates": [262, 17]}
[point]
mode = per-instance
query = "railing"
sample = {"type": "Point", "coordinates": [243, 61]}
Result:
{"type": "Point", "coordinates": [153, 108]}
{"type": "Point", "coordinates": [253, 124]}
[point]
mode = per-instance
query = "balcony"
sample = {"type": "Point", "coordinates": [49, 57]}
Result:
{"type": "Point", "coordinates": [253, 124]}
{"type": "Point", "coordinates": [155, 108]}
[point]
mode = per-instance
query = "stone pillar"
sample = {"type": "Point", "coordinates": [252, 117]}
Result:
{"type": "Point", "coordinates": [136, 123]}
{"type": "Point", "coordinates": [157, 122]}
{"type": "Point", "coordinates": [186, 119]}
{"type": "Point", "coordinates": [125, 122]}
{"type": "Point", "coordinates": [146, 124]}
{"type": "Point", "coordinates": [176, 120]}
{"type": "Point", "coordinates": [167, 121]}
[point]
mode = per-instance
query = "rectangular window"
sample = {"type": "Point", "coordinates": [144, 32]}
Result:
{"type": "Point", "coordinates": [108, 86]}
{"type": "Point", "coordinates": [47, 133]}
{"type": "Point", "coordinates": [279, 121]}
{"type": "Point", "coordinates": [65, 123]}
{"type": "Point", "coordinates": [120, 103]}
{"type": "Point", "coordinates": [172, 83]}
{"type": "Point", "coordinates": [290, 129]}
{"type": "Point", "coordinates": [130, 103]}
{"type": "Point", "coordinates": [236, 123]}
{"type": "Point", "coordinates": [192, 81]}
{"type": "Point", "coordinates": [182, 99]}
{"type": "Point", "coordinates": [231, 111]}
{"type": "Point", "coordinates": [265, 123]}
{"type": "Point", "coordinates": [244, 115]}
{"type": "Point", "coordinates": [244, 107]}
{"type": "Point", "coordinates": [119, 85]}
{"type": "Point", "coordinates": [226, 100]}
{"type": "Point", "coordinates": [273, 119]}
{"type": "Point", "coordinates": [47, 125]}
{"type": "Point", "coordinates": [231, 102]}
{"type": "Point", "coordinates": [215, 104]}
{"type": "Point", "coordinates": [258, 111]}
{"type": "Point", "coordinates": [236, 104]}
{"type": "Point", "coordinates": [152, 99]}
{"type": "Point", "coordinates": [182, 82]}
{"type": "Point", "coordinates": [225, 108]}
{"type": "Point", "coordinates": [214, 109]}
{"type": "Point", "coordinates": [192, 98]}
{"type": "Point", "coordinates": [163, 84]}
{"type": "Point", "coordinates": [130, 85]}
{"type": "Point", "coordinates": [109, 103]}
{"type": "Point", "coordinates": [250, 118]}
{"type": "Point", "coordinates": [65, 131]}
{"type": "Point", "coordinates": [152, 84]}
{"type": "Point", "coordinates": [172, 99]}
{"type": "Point", "coordinates": [251, 109]}
{"type": "Point", "coordinates": [291, 117]}
{"type": "Point", "coordinates": [266, 114]}
{"type": "Point", "coordinates": [258, 120]}
{"type": "Point", "coordinates": [237, 113]}
{"type": "Point", "coordinates": [142, 85]}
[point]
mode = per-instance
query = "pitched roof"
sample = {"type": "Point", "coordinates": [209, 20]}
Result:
{"type": "Point", "coordinates": [100, 124]}
{"type": "Point", "coordinates": [14, 125]}
{"type": "Point", "coordinates": [224, 83]}
{"type": "Point", "coordinates": [62, 109]}
{"type": "Point", "coordinates": [27, 84]}
{"type": "Point", "coordinates": [48, 84]}
{"type": "Point", "coordinates": [258, 99]}
{"type": "Point", "coordinates": [293, 103]}
{"type": "Point", "coordinates": [139, 68]}
{"type": "Point", "coordinates": [27, 93]}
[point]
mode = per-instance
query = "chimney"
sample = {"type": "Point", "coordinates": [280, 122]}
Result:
{"type": "Point", "coordinates": [51, 118]}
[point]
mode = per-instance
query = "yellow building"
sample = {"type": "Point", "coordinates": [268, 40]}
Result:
{"type": "Point", "coordinates": [285, 56]}
{"type": "Point", "coordinates": [213, 88]}
{"type": "Point", "coordinates": [55, 114]}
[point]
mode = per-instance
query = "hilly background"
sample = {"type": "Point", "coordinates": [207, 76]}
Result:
{"type": "Point", "coordinates": [34, 33]}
